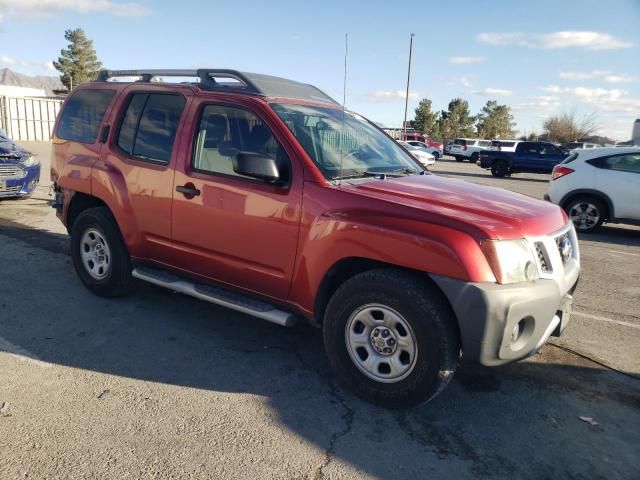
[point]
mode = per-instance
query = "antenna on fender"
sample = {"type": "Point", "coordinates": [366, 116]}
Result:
{"type": "Point", "coordinates": [344, 101]}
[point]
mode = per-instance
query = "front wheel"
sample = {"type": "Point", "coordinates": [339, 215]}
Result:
{"type": "Point", "coordinates": [586, 212]}
{"type": "Point", "coordinates": [436, 155]}
{"type": "Point", "coordinates": [391, 338]}
{"type": "Point", "coordinates": [459, 159]}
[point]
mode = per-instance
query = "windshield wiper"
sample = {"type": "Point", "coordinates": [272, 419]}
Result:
{"type": "Point", "coordinates": [361, 174]}
{"type": "Point", "coordinates": [380, 175]}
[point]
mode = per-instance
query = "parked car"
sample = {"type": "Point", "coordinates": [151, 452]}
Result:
{"type": "Point", "coordinates": [447, 147]}
{"type": "Point", "coordinates": [436, 152]}
{"type": "Point", "coordinates": [468, 148]}
{"type": "Point", "coordinates": [598, 185]}
{"type": "Point", "coordinates": [534, 157]}
{"type": "Point", "coordinates": [503, 145]}
{"type": "Point", "coordinates": [245, 196]}
{"type": "Point", "coordinates": [424, 157]}
{"type": "Point", "coordinates": [434, 144]}
{"type": "Point", "coordinates": [578, 145]}
{"type": "Point", "coordinates": [19, 170]}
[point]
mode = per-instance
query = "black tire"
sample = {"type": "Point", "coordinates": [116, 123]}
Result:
{"type": "Point", "coordinates": [459, 159]}
{"type": "Point", "coordinates": [117, 278]}
{"type": "Point", "coordinates": [499, 169]}
{"type": "Point", "coordinates": [436, 155]}
{"type": "Point", "coordinates": [474, 157]}
{"type": "Point", "coordinates": [432, 322]}
{"type": "Point", "coordinates": [579, 209]}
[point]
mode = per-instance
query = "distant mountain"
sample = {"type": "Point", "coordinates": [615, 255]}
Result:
{"type": "Point", "coordinates": [44, 82]}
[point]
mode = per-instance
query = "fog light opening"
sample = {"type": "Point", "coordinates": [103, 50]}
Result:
{"type": "Point", "coordinates": [518, 329]}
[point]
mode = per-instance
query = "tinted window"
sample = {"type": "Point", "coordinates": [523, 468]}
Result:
{"type": "Point", "coordinates": [80, 120]}
{"type": "Point", "coordinates": [547, 149]}
{"type": "Point", "coordinates": [527, 147]}
{"type": "Point", "coordinates": [623, 163]}
{"type": "Point", "coordinates": [484, 143]}
{"type": "Point", "coordinates": [225, 131]}
{"type": "Point", "coordinates": [129, 123]}
{"type": "Point", "coordinates": [460, 141]}
{"type": "Point", "coordinates": [570, 158]}
{"type": "Point", "coordinates": [149, 126]}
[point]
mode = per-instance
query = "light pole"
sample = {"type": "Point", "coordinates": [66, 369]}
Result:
{"type": "Point", "coordinates": [406, 98]}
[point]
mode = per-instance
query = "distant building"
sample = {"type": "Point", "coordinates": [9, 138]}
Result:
{"type": "Point", "coordinates": [15, 91]}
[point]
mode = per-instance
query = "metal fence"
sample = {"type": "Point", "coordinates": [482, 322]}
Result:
{"type": "Point", "coordinates": [29, 118]}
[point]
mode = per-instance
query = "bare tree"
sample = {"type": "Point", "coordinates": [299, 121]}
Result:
{"type": "Point", "coordinates": [570, 127]}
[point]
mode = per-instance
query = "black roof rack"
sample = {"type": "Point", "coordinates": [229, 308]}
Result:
{"type": "Point", "coordinates": [210, 79]}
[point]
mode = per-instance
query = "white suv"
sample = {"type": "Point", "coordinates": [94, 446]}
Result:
{"type": "Point", "coordinates": [598, 185]}
{"type": "Point", "coordinates": [468, 148]}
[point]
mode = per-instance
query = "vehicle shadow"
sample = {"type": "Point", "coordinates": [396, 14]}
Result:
{"type": "Point", "coordinates": [481, 426]}
{"type": "Point", "coordinates": [611, 233]}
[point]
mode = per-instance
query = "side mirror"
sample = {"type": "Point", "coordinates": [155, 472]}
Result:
{"type": "Point", "coordinates": [256, 165]}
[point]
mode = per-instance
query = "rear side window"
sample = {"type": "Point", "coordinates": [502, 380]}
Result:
{"type": "Point", "coordinates": [81, 118]}
{"type": "Point", "coordinates": [621, 163]}
{"type": "Point", "coordinates": [570, 158]}
{"type": "Point", "coordinates": [484, 143]}
{"type": "Point", "coordinates": [149, 126]}
{"type": "Point", "coordinates": [460, 141]}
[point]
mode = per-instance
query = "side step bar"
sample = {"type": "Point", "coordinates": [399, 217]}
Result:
{"type": "Point", "coordinates": [217, 295]}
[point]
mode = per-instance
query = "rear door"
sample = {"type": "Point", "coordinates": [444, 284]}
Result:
{"type": "Point", "coordinates": [140, 160]}
{"type": "Point", "coordinates": [235, 229]}
{"type": "Point", "coordinates": [619, 177]}
{"type": "Point", "coordinates": [526, 156]}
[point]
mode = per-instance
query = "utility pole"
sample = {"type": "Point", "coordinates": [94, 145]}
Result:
{"type": "Point", "coordinates": [406, 98]}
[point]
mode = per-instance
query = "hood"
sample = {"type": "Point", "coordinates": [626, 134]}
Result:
{"type": "Point", "coordinates": [10, 151]}
{"type": "Point", "coordinates": [497, 213]}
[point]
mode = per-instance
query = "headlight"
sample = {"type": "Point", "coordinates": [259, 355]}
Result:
{"type": "Point", "coordinates": [511, 260]}
{"type": "Point", "coordinates": [30, 161]}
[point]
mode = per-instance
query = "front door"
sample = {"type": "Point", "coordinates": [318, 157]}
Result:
{"type": "Point", "coordinates": [228, 227]}
{"type": "Point", "coordinates": [550, 156]}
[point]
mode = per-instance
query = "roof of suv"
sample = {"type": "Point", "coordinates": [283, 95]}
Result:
{"type": "Point", "coordinates": [229, 81]}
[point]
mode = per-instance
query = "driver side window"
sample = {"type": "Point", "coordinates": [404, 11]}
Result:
{"type": "Point", "coordinates": [226, 131]}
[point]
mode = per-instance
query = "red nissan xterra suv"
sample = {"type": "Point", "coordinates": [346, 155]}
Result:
{"type": "Point", "coordinates": [265, 196]}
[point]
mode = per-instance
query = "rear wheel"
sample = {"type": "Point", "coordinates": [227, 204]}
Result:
{"type": "Point", "coordinates": [391, 338]}
{"type": "Point", "coordinates": [499, 169]}
{"type": "Point", "coordinates": [99, 254]}
{"type": "Point", "coordinates": [586, 212]}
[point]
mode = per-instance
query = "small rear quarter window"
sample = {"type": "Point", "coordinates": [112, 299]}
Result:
{"type": "Point", "coordinates": [80, 120]}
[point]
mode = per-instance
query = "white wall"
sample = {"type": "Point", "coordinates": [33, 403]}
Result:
{"type": "Point", "coordinates": [13, 91]}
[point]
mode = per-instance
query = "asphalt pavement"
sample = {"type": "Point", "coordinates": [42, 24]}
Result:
{"type": "Point", "coordinates": [159, 385]}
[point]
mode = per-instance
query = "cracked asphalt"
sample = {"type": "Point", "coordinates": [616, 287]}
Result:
{"type": "Point", "coordinates": [159, 385]}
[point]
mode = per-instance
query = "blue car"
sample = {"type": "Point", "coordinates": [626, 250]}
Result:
{"type": "Point", "coordinates": [19, 170]}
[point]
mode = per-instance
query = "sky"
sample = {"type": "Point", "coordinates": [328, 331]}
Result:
{"type": "Point", "coordinates": [540, 57]}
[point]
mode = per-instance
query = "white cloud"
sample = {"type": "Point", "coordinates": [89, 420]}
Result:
{"type": "Point", "coordinates": [39, 7]}
{"type": "Point", "coordinates": [493, 92]}
{"type": "Point", "coordinates": [624, 78]}
{"type": "Point", "coordinates": [8, 61]}
{"type": "Point", "coordinates": [466, 60]}
{"type": "Point", "coordinates": [393, 95]}
{"type": "Point", "coordinates": [464, 80]}
{"type": "Point", "coordinates": [605, 75]}
{"type": "Point", "coordinates": [542, 103]}
{"type": "Point", "coordinates": [563, 39]}
{"type": "Point", "coordinates": [610, 100]}
{"type": "Point", "coordinates": [584, 75]}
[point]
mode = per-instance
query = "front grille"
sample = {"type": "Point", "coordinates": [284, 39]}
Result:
{"type": "Point", "coordinates": [9, 190]}
{"type": "Point", "coordinates": [563, 242]}
{"type": "Point", "coordinates": [11, 171]}
{"type": "Point", "coordinates": [543, 259]}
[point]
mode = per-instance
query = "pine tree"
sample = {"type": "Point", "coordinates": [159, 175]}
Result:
{"type": "Point", "coordinates": [426, 121]}
{"type": "Point", "coordinates": [78, 63]}
{"type": "Point", "coordinates": [495, 121]}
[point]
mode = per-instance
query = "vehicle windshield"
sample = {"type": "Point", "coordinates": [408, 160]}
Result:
{"type": "Point", "coordinates": [345, 144]}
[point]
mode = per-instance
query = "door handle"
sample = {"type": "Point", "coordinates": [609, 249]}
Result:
{"type": "Point", "coordinates": [189, 190]}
